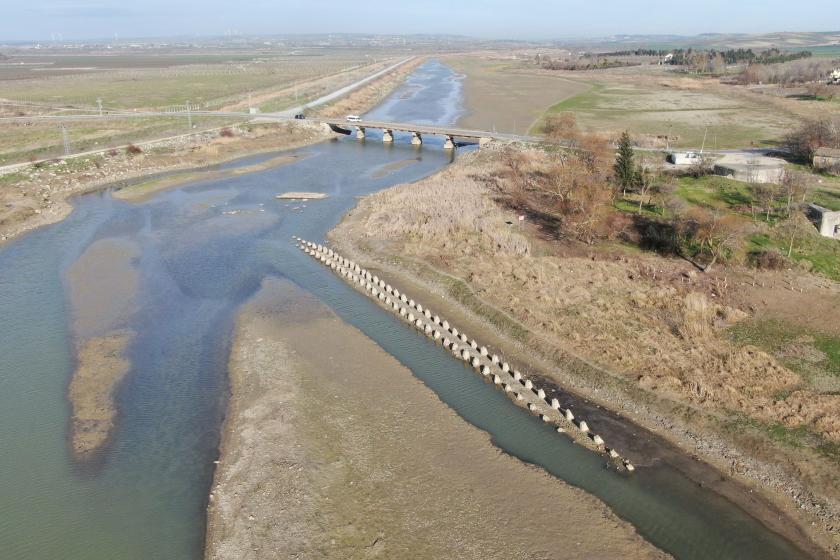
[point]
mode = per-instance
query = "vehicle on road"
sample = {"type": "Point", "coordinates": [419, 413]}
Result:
{"type": "Point", "coordinates": [353, 118]}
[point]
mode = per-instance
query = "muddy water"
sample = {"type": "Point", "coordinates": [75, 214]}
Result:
{"type": "Point", "coordinates": [203, 250]}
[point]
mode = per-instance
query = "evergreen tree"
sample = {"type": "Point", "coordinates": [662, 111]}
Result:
{"type": "Point", "coordinates": [625, 168]}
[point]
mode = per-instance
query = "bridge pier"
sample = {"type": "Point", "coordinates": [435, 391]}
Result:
{"type": "Point", "coordinates": [449, 144]}
{"type": "Point", "coordinates": [416, 139]}
{"type": "Point", "coordinates": [387, 136]}
{"type": "Point", "coordinates": [360, 133]}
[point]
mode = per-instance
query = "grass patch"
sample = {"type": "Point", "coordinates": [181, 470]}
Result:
{"type": "Point", "coordinates": [827, 198]}
{"type": "Point", "coordinates": [800, 437]}
{"type": "Point", "coordinates": [632, 207]}
{"type": "Point", "coordinates": [713, 191]}
{"type": "Point", "coordinates": [821, 253]}
{"type": "Point", "coordinates": [776, 336]}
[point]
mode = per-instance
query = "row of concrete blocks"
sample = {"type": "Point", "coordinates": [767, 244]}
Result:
{"type": "Point", "coordinates": [440, 330]}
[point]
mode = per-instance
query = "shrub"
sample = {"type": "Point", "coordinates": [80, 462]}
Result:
{"type": "Point", "coordinates": [804, 141]}
{"type": "Point", "coordinates": [131, 150]}
{"type": "Point", "coordinates": [769, 259]}
{"type": "Point", "coordinates": [226, 133]}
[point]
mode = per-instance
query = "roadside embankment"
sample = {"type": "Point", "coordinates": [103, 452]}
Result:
{"type": "Point", "coordinates": [332, 449]}
{"type": "Point", "coordinates": [662, 382]}
{"type": "Point", "coordinates": [371, 94]}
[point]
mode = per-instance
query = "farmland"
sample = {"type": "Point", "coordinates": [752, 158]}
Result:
{"type": "Point", "coordinates": [137, 81]}
{"type": "Point", "coordinates": [56, 84]}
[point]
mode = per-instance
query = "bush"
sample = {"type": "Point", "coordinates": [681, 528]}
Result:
{"type": "Point", "coordinates": [803, 142]}
{"type": "Point", "coordinates": [226, 133]}
{"type": "Point", "coordinates": [132, 150]}
{"type": "Point", "coordinates": [769, 259]}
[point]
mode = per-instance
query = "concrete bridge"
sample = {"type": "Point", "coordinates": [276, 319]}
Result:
{"type": "Point", "coordinates": [450, 133]}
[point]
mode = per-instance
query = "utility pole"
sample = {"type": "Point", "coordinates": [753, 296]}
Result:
{"type": "Point", "coordinates": [189, 115]}
{"type": "Point", "coordinates": [65, 139]}
{"type": "Point", "coordinates": [99, 102]}
{"type": "Point", "coordinates": [668, 139]}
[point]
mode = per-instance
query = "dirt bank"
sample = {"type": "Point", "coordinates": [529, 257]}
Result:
{"type": "Point", "coordinates": [332, 449]}
{"type": "Point", "coordinates": [102, 285]}
{"type": "Point", "coordinates": [594, 328]}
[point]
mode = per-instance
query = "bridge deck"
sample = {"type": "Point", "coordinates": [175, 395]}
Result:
{"type": "Point", "coordinates": [433, 130]}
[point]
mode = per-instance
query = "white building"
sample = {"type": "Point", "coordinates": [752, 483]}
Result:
{"type": "Point", "coordinates": [685, 158]}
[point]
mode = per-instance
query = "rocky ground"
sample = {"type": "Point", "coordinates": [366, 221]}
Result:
{"type": "Point", "coordinates": [327, 455]}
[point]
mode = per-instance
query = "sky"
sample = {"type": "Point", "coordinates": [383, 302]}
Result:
{"type": "Point", "coordinates": [497, 19]}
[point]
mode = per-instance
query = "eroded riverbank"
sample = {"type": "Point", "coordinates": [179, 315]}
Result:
{"type": "Point", "coordinates": [428, 262]}
{"type": "Point", "coordinates": [332, 449]}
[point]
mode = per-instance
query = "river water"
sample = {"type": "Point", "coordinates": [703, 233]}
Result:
{"type": "Point", "coordinates": [204, 250]}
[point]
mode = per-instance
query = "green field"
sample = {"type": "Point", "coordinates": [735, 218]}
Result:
{"type": "Point", "coordinates": [128, 82]}
{"type": "Point", "coordinates": [687, 115]}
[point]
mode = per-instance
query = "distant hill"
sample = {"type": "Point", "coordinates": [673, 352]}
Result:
{"type": "Point", "coordinates": [810, 40]}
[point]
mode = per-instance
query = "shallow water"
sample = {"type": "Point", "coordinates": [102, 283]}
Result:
{"type": "Point", "coordinates": [198, 262]}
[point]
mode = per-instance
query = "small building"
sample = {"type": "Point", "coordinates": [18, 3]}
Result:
{"type": "Point", "coordinates": [827, 160]}
{"type": "Point", "coordinates": [834, 77]}
{"type": "Point", "coordinates": [827, 222]}
{"type": "Point", "coordinates": [685, 158]}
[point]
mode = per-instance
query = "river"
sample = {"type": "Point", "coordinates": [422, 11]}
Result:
{"type": "Point", "coordinates": [203, 250]}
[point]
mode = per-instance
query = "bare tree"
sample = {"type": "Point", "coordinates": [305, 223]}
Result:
{"type": "Point", "coordinates": [765, 194]}
{"type": "Point", "coordinates": [717, 235]}
{"type": "Point", "coordinates": [794, 186]}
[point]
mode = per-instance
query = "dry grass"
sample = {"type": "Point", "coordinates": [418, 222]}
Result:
{"type": "Point", "coordinates": [666, 338]}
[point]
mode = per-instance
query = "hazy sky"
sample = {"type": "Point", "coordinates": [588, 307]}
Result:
{"type": "Point", "coordinates": [505, 19]}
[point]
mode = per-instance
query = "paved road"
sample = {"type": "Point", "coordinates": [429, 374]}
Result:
{"type": "Point", "coordinates": [337, 93]}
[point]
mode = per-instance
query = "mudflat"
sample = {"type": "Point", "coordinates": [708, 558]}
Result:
{"type": "Point", "coordinates": [332, 449]}
{"type": "Point", "coordinates": [102, 288]}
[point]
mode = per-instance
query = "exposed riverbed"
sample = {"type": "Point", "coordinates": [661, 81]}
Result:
{"type": "Point", "coordinates": [201, 251]}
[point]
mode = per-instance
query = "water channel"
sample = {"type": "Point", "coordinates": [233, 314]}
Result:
{"type": "Point", "coordinates": [204, 250]}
